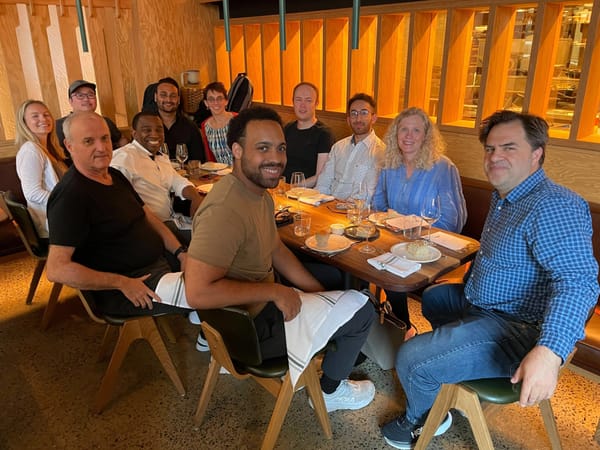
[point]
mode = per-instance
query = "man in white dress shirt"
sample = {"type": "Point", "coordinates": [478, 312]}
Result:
{"type": "Point", "coordinates": [152, 176]}
{"type": "Point", "coordinates": [355, 159]}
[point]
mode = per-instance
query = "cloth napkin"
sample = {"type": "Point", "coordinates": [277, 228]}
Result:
{"type": "Point", "coordinates": [182, 222]}
{"type": "Point", "coordinates": [322, 314]}
{"type": "Point", "coordinates": [449, 241]}
{"type": "Point", "coordinates": [316, 200]}
{"type": "Point", "coordinates": [402, 222]}
{"type": "Point", "coordinates": [394, 264]}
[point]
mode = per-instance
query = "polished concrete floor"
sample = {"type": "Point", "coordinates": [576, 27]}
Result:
{"type": "Point", "coordinates": [48, 381]}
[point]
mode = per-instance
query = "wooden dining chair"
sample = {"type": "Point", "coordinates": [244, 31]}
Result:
{"type": "Point", "coordinates": [130, 329]}
{"type": "Point", "coordinates": [467, 397]}
{"type": "Point", "coordinates": [36, 247]}
{"type": "Point", "coordinates": [234, 345]}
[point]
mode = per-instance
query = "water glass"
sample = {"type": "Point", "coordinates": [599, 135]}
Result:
{"type": "Point", "coordinates": [431, 211]}
{"type": "Point", "coordinates": [302, 224]}
{"type": "Point", "coordinates": [297, 180]}
{"type": "Point", "coordinates": [181, 152]}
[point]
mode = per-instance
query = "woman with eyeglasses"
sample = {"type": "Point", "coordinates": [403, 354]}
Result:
{"type": "Point", "coordinates": [214, 129]}
{"type": "Point", "coordinates": [40, 159]}
{"type": "Point", "coordinates": [415, 169]}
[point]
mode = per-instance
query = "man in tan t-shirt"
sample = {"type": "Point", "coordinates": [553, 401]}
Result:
{"type": "Point", "coordinates": [235, 249]}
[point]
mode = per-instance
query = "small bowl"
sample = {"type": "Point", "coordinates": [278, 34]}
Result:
{"type": "Point", "coordinates": [337, 228]}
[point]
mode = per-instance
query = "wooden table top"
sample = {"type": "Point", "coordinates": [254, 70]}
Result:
{"type": "Point", "coordinates": [355, 263]}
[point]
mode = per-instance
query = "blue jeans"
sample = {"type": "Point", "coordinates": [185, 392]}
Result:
{"type": "Point", "coordinates": [467, 342]}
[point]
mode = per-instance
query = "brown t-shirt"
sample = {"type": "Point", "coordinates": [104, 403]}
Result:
{"type": "Point", "coordinates": [235, 229]}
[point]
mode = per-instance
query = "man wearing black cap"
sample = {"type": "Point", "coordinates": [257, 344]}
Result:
{"type": "Point", "coordinates": [82, 97]}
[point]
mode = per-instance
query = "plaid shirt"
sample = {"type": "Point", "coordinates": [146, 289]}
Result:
{"type": "Point", "coordinates": [536, 261]}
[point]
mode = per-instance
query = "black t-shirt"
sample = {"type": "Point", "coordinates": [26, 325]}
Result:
{"type": "Point", "coordinates": [106, 224]}
{"type": "Point", "coordinates": [304, 146]}
{"type": "Point", "coordinates": [184, 131]}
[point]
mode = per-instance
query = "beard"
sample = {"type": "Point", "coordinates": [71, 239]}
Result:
{"type": "Point", "coordinates": [257, 177]}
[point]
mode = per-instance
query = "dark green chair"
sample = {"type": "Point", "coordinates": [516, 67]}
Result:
{"type": "Point", "coordinates": [234, 345]}
{"type": "Point", "coordinates": [468, 396]}
{"type": "Point", "coordinates": [37, 248]}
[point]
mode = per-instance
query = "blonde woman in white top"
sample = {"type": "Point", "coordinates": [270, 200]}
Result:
{"type": "Point", "coordinates": [40, 159]}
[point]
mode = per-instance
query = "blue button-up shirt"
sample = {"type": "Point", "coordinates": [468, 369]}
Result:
{"type": "Point", "coordinates": [536, 261]}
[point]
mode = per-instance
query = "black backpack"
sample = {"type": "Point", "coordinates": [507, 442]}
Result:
{"type": "Point", "coordinates": [240, 94]}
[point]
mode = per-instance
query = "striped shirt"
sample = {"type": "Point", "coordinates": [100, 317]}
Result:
{"type": "Point", "coordinates": [536, 261]}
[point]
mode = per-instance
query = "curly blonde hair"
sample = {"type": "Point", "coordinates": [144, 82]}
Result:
{"type": "Point", "coordinates": [51, 147]}
{"type": "Point", "coordinates": [430, 152]}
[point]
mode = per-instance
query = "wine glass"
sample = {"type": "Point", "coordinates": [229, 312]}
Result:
{"type": "Point", "coordinates": [297, 183]}
{"type": "Point", "coordinates": [164, 149]}
{"type": "Point", "coordinates": [366, 228]}
{"type": "Point", "coordinates": [181, 153]}
{"type": "Point", "coordinates": [431, 211]}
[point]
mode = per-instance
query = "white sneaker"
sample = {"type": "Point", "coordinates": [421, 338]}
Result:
{"type": "Point", "coordinates": [350, 394]}
{"type": "Point", "coordinates": [202, 343]}
{"type": "Point", "coordinates": [194, 318]}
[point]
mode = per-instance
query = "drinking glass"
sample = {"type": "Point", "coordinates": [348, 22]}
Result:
{"type": "Point", "coordinates": [280, 191]}
{"type": "Point", "coordinates": [367, 229]}
{"type": "Point", "coordinates": [431, 211]}
{"type": "Point", "coordinates": [412, 231]}
{"type": "Point", "coordinates": [297, 181]}
{"type": "Point", "coordinates": [164, 149]}
{"type": "Point", "coordinates": [301, 224]}
{"type": "Point", "coordinates": [181, 153]}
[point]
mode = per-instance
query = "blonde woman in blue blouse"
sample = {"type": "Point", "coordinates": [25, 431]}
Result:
{"type": "Point", "coordinates": [415, 169]}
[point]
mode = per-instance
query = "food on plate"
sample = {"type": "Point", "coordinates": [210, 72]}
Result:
{"type": "Point", "coordinates": [418, 249]}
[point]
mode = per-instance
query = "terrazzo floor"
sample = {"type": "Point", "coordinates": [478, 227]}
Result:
{"type": "Point", "coordinates": [48, 380]}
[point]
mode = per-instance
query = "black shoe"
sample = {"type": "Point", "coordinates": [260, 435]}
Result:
{"type": "Point", "coordinates": [403, 434]}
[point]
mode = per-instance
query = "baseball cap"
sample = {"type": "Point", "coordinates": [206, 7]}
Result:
{"type": "Point", "coordinates": [80, 83]}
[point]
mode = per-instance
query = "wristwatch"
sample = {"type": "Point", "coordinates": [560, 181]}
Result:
{"type": "Point", "coordinates": [181, 249]}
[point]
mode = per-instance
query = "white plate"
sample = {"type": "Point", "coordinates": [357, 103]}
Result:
{"type": "Point", "coordinates": [401, 251]}
{"type": "Point", "coordinates": [301, 192]}
{"type": "Point", "coordinates": [334, 244]}
{"type": "Point", "coordinates": [213, 166]}
{"type": "Point", "coordinates": [205, 188]}
{"type": "Point", "coordinates": [403, 222]}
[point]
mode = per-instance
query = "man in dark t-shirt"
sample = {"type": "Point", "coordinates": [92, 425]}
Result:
{"type": "Point", "coordinates": [102, 236]}
{"type": "Point", "coordinates": [308, 139]}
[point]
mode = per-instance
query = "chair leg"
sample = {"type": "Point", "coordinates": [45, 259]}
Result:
{"type": "Point", "coordinates": [105, 347]}
{"type": "Point", "coordinates": [279, 412]}
{"type": "Point", "coordinates": [51, 306]}
{"type": "Point", "coordinates": [35, 279]}
{"type": "Point", "coordinates": [149, 332]}
{"type": "Point", "coordinates": [165, 325]}
{"type": "Point", "coordinates": [468, 401]}
{"type": "Point", "coordinates": [550, 423]}
{"type": "Point", "coordinates": [129, 332]}
{"type": "Point", "coordinates": [313, 387]}
{"type": "Point", "coordinates": [207, 390]}
{"type": "Point", "coordinates": [446, 399]}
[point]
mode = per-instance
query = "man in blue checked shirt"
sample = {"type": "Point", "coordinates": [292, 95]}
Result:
{"type": "Point", "coordinates": [525, 302]}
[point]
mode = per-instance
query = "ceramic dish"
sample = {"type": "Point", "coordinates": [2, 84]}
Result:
{"type": "Point", "coordinates": [401, 250]}
{"type": "Point", "coordinates": [301, 192]}
{"type": "Point", "coordinates": [205, 188]}
{"type": "Point", "coordinates": [212, 166]}
{"type": "Point", "coordinates": [334, 244]}
{"type": "Point", "coordinates": [354, 232]}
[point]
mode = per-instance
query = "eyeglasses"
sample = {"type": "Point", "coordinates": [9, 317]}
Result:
{"type": "Point", "coordinates": [218, 99]}
{"type": "Point", "coordinates": [363, 113]}
{"type": "Point", "coordinates": [83, 96]}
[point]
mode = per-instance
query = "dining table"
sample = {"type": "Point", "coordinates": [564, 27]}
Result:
{"type": "Point", "coordinates": [351, 261]}
{"type": "Point", "coordinates": [354, 263]}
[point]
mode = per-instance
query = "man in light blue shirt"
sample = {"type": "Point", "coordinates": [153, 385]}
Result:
{"type": "Point", "coordinates": [525, 302]}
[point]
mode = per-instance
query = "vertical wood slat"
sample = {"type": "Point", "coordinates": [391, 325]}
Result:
{"type": "Point", "coordinates": [391, 65]}
{"type": "Point", "coordinates": [458, 54]}
{"type": "Point", "coordinates": [336, 61]}
{"type": "Point", "coordinates": [290, 61]}
{"type": "Point", "coordinates": [585, 123]}
{"type": "Point", "coordinates": [544, 55]}
{"type": "Point", "coordinates": [222, 57]}
{"type": "Point", "coordinates": [238, 59]}
{"type": "Point", "coordinates": [271, 61]}
{"type": "Point", "coordinates": [312, 54]}
{"type": "Point", "coordinates": [362, 60]}
{"type": "Point", "coordinates": [12, 81]}
{"type": "Point", "coordinates": [254, 68]}
{"type": "Point", "coordinates": [423, 41]}
{"type": "Point", "coordinates": [495, 71]}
